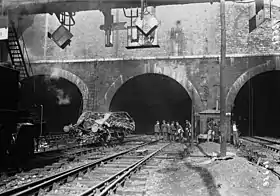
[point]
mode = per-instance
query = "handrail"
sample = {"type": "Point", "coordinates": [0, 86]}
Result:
{"type": "Point", "coordinates": [28, 60]}
{"type": "Point", "coordinates": [19, 47]}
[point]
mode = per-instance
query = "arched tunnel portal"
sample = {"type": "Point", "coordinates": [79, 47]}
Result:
{"type": "Point", "coordinates": [61, 99]}
{"type": "Point", "coordinates": [151, 97]}
{"type": "Point", "coordinates": [256, 106]}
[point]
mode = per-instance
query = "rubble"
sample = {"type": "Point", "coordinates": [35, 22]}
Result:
{"type": "Point", "coordinates": [197, 174]}
{"type": "Point", "coordinates": [101, 127]}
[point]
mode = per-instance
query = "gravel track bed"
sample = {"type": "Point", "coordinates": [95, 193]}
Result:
{"type": "Point", "coordinates": [63, 164]}
{"type": "Point", "coordinates": [265, 153]}
{"type": "Point", "coordinates": [94, 177]}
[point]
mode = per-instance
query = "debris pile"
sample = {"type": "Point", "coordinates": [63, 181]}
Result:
{"type": "Point", "coordinates": [101, 127]}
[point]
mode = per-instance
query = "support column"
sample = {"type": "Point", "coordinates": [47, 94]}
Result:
{"type": "Point", "coordinates": [223, 123]}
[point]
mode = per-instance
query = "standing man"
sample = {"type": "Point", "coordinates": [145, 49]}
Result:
{"type": "Point", "coordinates": [173, 131]}
{"type": "Point", "coordinates": [210, 131]}
{"type": "Point", "coordinates": [168, 131]}
{"type": "Point", "coordinates": [164, 129]}
{"type": "Point", "coordinates": [157, 130]}
{"type": "Point", "coordinates": [180, 131]}
{"type": "Point", "coordinates": [235, 134]}
{"type": "Point", "coordinates": [188, 130]}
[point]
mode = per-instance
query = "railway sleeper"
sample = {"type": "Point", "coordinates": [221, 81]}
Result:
{"type": "Point", "coordinates": [130, 183]}
{"type": "Point", "coordinates": [137, 178]}
{"type": "Point", "coordinates": [111, 165]}
{"type": "Point", "coordinates": [128, 192]}
{"type": "Point", "coordinates": [126, 162]}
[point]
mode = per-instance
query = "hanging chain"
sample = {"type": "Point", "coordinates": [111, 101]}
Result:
{"type": "Point", "coordinates": [67, 15]}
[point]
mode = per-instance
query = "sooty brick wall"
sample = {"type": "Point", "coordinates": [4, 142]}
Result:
{"type": "Point", "coordinates": [201, 24]}
{"type": "Point", "coordinates": [104, 78]}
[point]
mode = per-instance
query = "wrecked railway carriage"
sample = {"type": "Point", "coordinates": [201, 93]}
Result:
{"type": "Point", "coordinates": [95, 127]}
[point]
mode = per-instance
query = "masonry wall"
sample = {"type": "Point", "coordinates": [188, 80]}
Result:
{"type": "Point", "coordinates": [104, 78]}
{"type": "Point", "coordinates": [201, 24]}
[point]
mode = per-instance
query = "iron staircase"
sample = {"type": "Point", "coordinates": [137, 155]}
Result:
{"type": "Point", "coordinates": [16, 54]}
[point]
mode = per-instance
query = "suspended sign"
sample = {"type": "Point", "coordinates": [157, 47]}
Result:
{"type": "Point", "coordinates": [4, 24]}
{"type": "Point", "coordinates": [144, 33]}
{"type": "Point", "coordinates": [135, 39]}
{"type": "Point", "coordinates": [147, 24]}
{"type": "Point", "coordinates": [62, 36]}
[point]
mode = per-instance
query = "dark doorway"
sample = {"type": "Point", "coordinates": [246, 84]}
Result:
{"type": "Point", "coordinates": [61, 100]}
{"type": "Point", "coordinates": [256, 106]}
{"type": "Point", "coordinates": [151, 97]}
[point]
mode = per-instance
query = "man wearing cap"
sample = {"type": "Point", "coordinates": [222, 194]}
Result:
{"type": "Point", "coordinates": [168, 131]}
{"type": "Point", "coordinates": [157, 130]}
{"type": "Point", "coordinates": [188, 130]}
{"type": "Point", "coordinates": [173, 131]}
{"type": "Point", "coordinates": [164, 129]}
{"type": "Point", "coordinates": [235, 134]}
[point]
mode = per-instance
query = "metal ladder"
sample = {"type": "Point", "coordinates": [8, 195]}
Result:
{"type": "Point", "coordinates": [16, 54]}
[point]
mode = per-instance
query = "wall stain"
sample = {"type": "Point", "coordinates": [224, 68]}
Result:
{"type": "Point", "coordinates": [113, 85]}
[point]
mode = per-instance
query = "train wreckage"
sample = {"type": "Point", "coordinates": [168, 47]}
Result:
{"type": "Point", "coordinates": [99, 127]}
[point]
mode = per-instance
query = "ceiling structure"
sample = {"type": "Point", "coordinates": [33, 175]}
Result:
{"type": "Point", "coordinates": [26, 7]}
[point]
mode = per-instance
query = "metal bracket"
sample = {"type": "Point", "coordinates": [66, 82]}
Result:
{"type": "Point", "coordinates": [62, 18]}
{"type": "Point", "coordinates": [108, 21]}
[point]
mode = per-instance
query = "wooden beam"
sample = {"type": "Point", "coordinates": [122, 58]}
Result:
{"type": "Point", "coordinates": [26, 7]}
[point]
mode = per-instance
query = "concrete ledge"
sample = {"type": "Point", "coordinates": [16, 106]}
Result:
{"type": "Point", "coordinates": [217, 57]}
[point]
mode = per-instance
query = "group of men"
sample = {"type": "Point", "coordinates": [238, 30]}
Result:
{"type": "Point", "coordinates": [172, 131]}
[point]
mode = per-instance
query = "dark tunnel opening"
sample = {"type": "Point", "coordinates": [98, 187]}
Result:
{"type": "Point", "coordinates": [61, 100]}
{"type": "Point", "coordinates": [257, 105]}
{"type": "Point", "coordinates": [151, 97]}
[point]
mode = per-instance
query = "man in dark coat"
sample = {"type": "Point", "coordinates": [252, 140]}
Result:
{"type": "Point", "coordinates": [164, 129]}
{"type": "Point", "coordinates": [173, 131]}
{"type": "Point", "coordinates": [168, 131]}
{"type": "Point", "coordinates": [188, 130]}
{"type": "Point", "coordinates": [180, 131]}
{"type": "Point", "coordinates": [157, 130]}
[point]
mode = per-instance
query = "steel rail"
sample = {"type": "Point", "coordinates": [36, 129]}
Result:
{"type": "Point", "coordinates": [34, 187]}
{"type": "Point", "coordinates": [266, 140]}
{"type": "Point", "coordinates": [255, 160]}
{"type": "Point", "coordinates": [262, 144]}
{"type": "Point", "coordinates": [119, 177]}
{"type": "Point", "coordinates": [65, 150]}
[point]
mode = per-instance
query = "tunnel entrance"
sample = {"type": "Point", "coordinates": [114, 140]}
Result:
{"type": "Point", "coordinates": [61, 99]}
{"type": "Point", "coordinates": [151, 97]}
{"type": "Point", "coordinates": [257, 105]}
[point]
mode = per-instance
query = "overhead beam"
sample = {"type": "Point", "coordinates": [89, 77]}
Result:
{"type": "Point", "coordinates": [26, 7]}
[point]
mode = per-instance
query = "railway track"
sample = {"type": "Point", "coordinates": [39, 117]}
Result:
{"type": "Point", "coordinates": [266, 143]}
{"type": "Point", "coordinates": [265, 139]}
{"type": "Point", "coordinates": [50, 162]}
{"type": "Point", "coordinates": [70, 151]}
{"type": "Point", "coordinates": [47, 184]}
{"type": "Point", "coordinates": [257, 156]}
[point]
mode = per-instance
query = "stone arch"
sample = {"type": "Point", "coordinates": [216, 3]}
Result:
{"type": "Point", "coordinates": [58, 72]}
{"type": "Point", "coordinates": [186, 83]}
{"type": "Point", "coordinates": [178, 72]}
{"type": "Point", "coordinates": [246, 76]}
